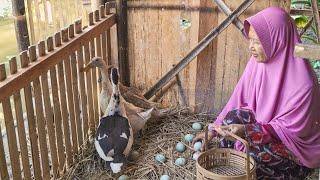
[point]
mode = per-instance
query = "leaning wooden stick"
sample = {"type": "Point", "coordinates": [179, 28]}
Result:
{"type": "Point", "coordinates": [202, 45]}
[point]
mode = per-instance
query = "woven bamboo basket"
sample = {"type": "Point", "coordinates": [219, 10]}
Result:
{"type": "Point", "coordinates": [225, 163]}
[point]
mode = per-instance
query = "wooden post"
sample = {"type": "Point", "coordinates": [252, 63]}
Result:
{"type": "Point", "coordinates": [122, 28]}
{"type": "Point", "coordinates": [21, 27]}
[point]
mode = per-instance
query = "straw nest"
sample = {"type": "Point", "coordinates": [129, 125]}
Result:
{"type": "Point", "coordinates": [159, 136]}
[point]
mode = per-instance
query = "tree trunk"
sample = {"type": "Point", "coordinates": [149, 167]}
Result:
{"type": "Point", "coordinates": [21, 28]}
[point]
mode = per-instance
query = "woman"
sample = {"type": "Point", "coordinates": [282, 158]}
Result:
{"type": "Point", "coordinates": [275, 105]}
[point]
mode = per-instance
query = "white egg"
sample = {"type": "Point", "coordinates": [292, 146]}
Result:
{"type": "Point", "coordinates": [160, 158]}
{"type": "Point", "coordinates": [188, 137]}
{"type": "Point", "coordinates": [165, 177]}
{"type": "Point", "coordinates": [196, 126]}
{"type": "Point", "coordinates": [180, 147]}
{"type": "Point", "coordinates": [197, 146]}
{"type": "Point", "coordinates": [123, 177]}
{"type": "Point", "coordinates": [195, 155]}
{"type": "Point", "coordinates": [180, 161]}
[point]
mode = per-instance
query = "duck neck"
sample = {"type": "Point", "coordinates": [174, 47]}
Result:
{"type": "Point", "coordinates": [105, 80]}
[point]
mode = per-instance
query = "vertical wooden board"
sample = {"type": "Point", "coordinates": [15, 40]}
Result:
{"type": "Point", "coordinates": [76, 98]}
{"type": "Point", "coordinates": [131, 43]}
{"type": "Point", "coordinates": [152, 72]}
{"type": "Point", "coordinates": [89, 91]}
{"type": "Point", "coordinates": [94, 84]}
{"type": "Point", "coordinates": [99, 54]}
{"type": "Point", "coordinates": [108, 36]}
{"type": "Point", "coordinates": [138, 48]}
{"type": "Point", "coordinates": [57, 117]}
{"type": "Point", "coordinates": [3, 164]}
{"type": "Point", "coordinates": [41, 129]}
{"type": "Point", "coordinates": [12, 139]}
{"type": "Point", "coordinates": [170, 44]}
{"type": "Point", "coordinates": [195, 19]}
{"type": "Point", "coordinates": [21, 127]}
{"type": "Point", "coordinates": [10, 129]}
{"type": "Point", "coordinates": [220, 67]}
{"type": "Point", "coordinates": [70, 100]}
{"type": "Point", "coordinates": [184, 48]}
{"type": "Point", "coordinates": [206, 61]}
{"type": "Point", "coordinates": [31, 117]}
{"type": "Point", "coordinates": [49, 121]}
{"type": "Point", "coordinates": [65, 113]}
{"type": "Point", "coordinates": [114, 42]}
{"type": "Point", "coordinates": [82, 88]}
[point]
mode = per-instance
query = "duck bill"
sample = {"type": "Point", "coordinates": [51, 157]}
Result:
{"type": "Point", "coordinates": [87, 67]}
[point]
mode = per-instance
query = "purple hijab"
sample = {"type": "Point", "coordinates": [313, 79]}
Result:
{"type": "Point", "coordinates": [282, 92]}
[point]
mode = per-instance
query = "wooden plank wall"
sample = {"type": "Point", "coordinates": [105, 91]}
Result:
{"type": "Point", "coordinates": [157, 42]}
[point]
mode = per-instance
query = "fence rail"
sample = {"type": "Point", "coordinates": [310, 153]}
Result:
{"type": "Point", "coordinates": [61, 102]}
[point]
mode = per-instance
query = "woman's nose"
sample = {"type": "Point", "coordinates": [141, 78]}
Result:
{"type": "Point", "coordinates": [251, 48]}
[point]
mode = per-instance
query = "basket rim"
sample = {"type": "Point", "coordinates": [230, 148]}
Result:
{"type": "Point", "coordinates": [200, 168]}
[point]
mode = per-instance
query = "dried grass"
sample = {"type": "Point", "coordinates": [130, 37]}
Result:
{"type": "Point", "coordinates": [160, 136]}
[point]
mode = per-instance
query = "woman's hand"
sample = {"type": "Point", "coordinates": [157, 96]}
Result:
{"type": "Point", "coordinates": [201, 137]}
{"type": "Point", "coordinates": [237, 129]}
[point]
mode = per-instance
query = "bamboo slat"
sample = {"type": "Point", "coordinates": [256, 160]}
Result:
{"type": "Point", "coordinates": [20, 123]}
{"type": "Point", "coordinates": [12, 140]}
{"type": "Point", "coordinates": [57, 111]}
{"type": "Point", "coordinates": [94, 74]}
{"type": "Point", "coordinates": [40, 119]}
{"type": "Point", "coordinates": [31, 118]}
{"type": "Point", "coordinates": [74, 79]}
{"type": "Point", "coordinates": [82, 84]}
{"type": "Point", "coordinates": [48, 112]}
{"type": "Point", "coordinates": [70, 100]}
{"type": "Point", "coordinates": [65, 116]}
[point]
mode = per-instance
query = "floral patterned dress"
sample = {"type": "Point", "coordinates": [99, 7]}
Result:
{"type": "Point", "coordinates": [274, 160]}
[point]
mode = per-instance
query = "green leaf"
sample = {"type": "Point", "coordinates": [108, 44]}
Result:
{"type": "Point", "coordinates": [301, 21]}
{"type": "Point", "coordinates": [315, 64]}
{"type": "Point", "coordinates": [310, 38]}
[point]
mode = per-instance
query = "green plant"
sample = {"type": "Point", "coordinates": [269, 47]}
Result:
{"type": "Point", "coordinates": [306, 3]}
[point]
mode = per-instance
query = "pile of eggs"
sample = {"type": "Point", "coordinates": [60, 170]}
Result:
{"type": "Point", "coordinates": [180, 147]}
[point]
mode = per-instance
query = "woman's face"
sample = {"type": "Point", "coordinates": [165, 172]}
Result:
{"type": "Point", "coordinates": [255, 47]}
